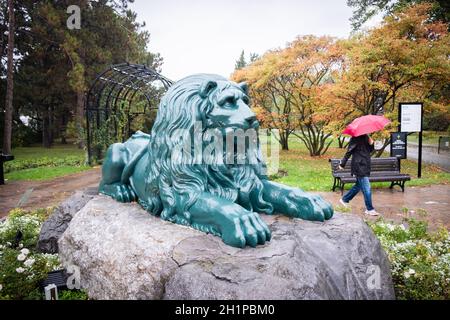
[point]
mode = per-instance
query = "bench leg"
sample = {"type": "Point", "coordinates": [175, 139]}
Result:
{"type": "Point", "coordinates": [342, 188]}
{"type": "Point", "coordinates": [401, 184]}
{"type": "Point", "coordinates": [334, 185]}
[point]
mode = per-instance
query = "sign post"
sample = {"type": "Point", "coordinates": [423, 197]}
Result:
{"type": "Point", "coordinates": [411, 119]}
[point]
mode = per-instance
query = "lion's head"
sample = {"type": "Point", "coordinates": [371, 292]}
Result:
{"type": "Point", "coordinates": [217, 105]}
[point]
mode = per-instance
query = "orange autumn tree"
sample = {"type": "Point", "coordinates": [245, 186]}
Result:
{"type": "Point", "coordinates": [284, 84]}
{"type": "Point", "coordinates": [274, 111]}
{"type": "Point", "coordinates": [404, 59]}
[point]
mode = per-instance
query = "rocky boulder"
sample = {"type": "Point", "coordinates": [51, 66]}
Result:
{"type": "Point", "coordinates": [122, 252]}
{"type": "Point", "coordinates": [57, 223]}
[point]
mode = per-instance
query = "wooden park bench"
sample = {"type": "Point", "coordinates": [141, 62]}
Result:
{"type": "Point", "coordinates": [382, 170]}
{"type": "Point", "coordinates": [4, 158]}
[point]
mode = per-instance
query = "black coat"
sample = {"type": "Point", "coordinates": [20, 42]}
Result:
{"type": "Point", "coordinates": [359, 149]}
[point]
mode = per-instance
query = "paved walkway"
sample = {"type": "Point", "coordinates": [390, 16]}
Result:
{"type": "Point", "coordinates": [42, 194]}
{"type": "Point", "coordinates": [431, 203]}
{"type": "Point", "coordinates": [430, 155]}
{"type": "Point", "coordinates": [435, 200]}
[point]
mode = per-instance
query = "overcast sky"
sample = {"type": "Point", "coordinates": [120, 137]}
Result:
{"type": "Point", "coordinates": [196, 36]}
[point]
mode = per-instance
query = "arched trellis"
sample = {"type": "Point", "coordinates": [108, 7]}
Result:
{"type": "Point", "coordinates": [115, 99]}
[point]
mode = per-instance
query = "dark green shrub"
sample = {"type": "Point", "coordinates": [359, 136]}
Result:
{"type": "Point", "coordinates": [75, 161]}
{"type": "Point", "coordinates": [72, 295]}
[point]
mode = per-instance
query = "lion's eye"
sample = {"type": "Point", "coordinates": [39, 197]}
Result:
{"type": "Point", "coordinates": [230, 100]}
{"type": "Point", "coordinates": [246, 100]}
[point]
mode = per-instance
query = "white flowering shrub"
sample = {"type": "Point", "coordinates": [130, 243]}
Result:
{"type": "Point", "coordinates": [21, 273]}
{"type": "Point", "coordinates": [29, 224]}
{"type": "Point", "coordinates": [420, 261]}
{"type": "Point", "coordinates": [21, 267]}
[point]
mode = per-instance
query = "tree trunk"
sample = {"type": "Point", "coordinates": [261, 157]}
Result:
{"type": "Point", "coordinates": [63, 129]}
{"type": "Point", "coordinates": [46, 129]}
{"type": "Point", "coordinates": [379, 153]}
{"type": "Point", "coordinates": [79, 112]}
{"type": "Point", "coordinates": [9, 82]}
{"type": "Point", "coordinates": [284, 140]}
{"type": "Point", "coordinates": [315, 140]}
{"type": "Point", "coordinates": [51, 125]}
{"type": "Point", "coordinates": [285, 145]}
{"type": "Point", "coordinates": [342, 143]}
{"type": "Point", "coordinates": [79, 118]}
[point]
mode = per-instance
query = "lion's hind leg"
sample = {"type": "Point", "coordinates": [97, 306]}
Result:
{"type": "Point", "coordinates": [113, 166]}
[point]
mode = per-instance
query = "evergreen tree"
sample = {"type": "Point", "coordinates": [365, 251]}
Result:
{"type": "Point", "coordinates": [240, 63]}
{"type": "Point", "coordinates": [54, 66]}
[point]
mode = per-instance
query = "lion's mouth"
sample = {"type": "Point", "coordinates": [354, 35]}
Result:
{"type": "Point", "coordinates": [229, 128]}
{"type": "Point", "coordinates": [251, 124]}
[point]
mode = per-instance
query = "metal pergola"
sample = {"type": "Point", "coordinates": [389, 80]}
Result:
{"type": "Point", "coordinates": [124, 89]}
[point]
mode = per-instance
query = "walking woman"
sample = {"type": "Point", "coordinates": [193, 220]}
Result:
{"type": "Point", "coordinates": [359, 149]}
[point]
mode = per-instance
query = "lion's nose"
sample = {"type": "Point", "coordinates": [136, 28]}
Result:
{"type": "Point", "coordinates": [251, 120]}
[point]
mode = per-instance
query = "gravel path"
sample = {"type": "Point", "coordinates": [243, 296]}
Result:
{"type": "Point", "coordinates": [42, 194]}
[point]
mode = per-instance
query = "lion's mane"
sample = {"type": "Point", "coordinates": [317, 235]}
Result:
{"type": "Point", "coordinates": [174, 186]}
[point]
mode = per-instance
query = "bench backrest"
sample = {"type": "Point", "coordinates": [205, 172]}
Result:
{"type": "Point", "coordinates": [377, 164]}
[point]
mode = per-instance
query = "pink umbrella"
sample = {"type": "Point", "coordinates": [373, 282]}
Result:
{"type": "Point", "coordinates": [365, 125]}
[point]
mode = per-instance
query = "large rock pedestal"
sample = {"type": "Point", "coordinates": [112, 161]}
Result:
{"type": "Point", "coordinates": [125, 253]}
{"type": "Point", "coordinates": [57, 223]}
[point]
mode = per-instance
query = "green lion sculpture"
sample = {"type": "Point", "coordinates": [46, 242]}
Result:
{"type": "Point", "coordinates": [212, 196]}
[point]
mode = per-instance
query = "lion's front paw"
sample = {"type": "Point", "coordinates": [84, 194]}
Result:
{"type": "Point", "coordinates": [246, 228]}
{"type": "Point", "coordinates": [118, 191]}
{"type": "Point", "coordinates": [307, 206]}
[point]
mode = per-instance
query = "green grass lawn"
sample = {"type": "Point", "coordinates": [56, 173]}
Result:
{"type": "Point", "coordinates": [311, 174]}
{"type": "Point", "coordinates": [57, 151]}
{"type": "Point", "coordinates": [314, 174]}
{"type": "Point", "coordinates": [37, 163]}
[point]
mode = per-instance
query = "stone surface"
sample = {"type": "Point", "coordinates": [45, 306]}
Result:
{"type": "Point", "coordinates": [125, 253]}
{"type": "Point", "coordinates": [54, 227]}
